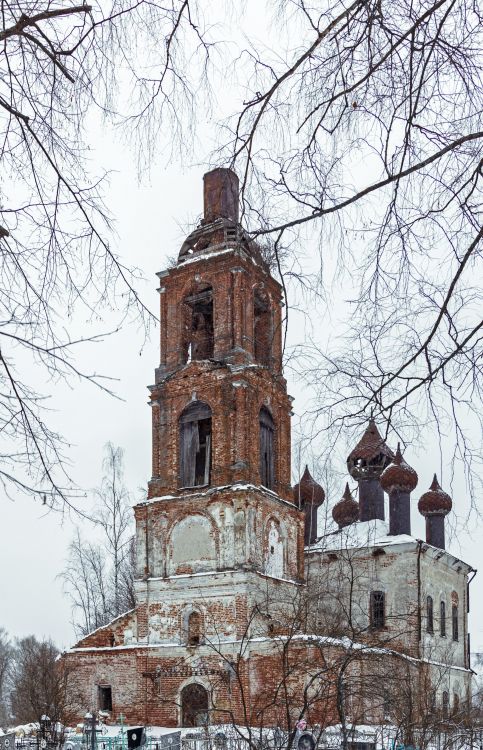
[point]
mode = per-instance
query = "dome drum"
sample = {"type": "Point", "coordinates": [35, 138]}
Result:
{"type": "Point", "coordinates": [399, 479]}
{"type": "Point", "coordinates": [435, 504]}
{"type": "Point", "coordinates": [365, 463]}
{"type": "Point", "coordinates": [309, 496]}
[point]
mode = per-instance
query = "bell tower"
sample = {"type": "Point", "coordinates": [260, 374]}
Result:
{"type": "Point", "coordinates": [220, 505]}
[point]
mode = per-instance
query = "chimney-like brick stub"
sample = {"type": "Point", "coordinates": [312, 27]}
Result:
{"type": "Point", "coordinates": [220, 195]}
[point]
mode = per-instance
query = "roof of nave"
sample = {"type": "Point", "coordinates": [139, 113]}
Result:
{"type": "Point", "coordinates": [108, 625]}
{"type": "Point", "coordinates": [366, 535]}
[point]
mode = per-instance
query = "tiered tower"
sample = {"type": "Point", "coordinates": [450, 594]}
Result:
{"type": "Point", "coordinates": [220, 518]}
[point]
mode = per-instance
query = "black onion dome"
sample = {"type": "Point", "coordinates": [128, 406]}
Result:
{"type": "Point", "coordinates": [435, 501]}
{"type": "Point", "coordinates": [346, 511]}
{"type": "Point", "coordinates": [308, 491]}
{"type": "Point", "coordinates": [370, 456]}
{"type": "Point", "coordinates": [399, 475]}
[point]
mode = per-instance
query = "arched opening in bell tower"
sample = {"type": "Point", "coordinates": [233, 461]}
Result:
{"type": "Point", "coordinates": [195, 445]}
{"type": "Point", "coordinates": [267, 430]}
{"type": "Point", "coordinates": [194, 705]}
{"type": "Point", "coordinates": [262, 327]}
{"type": "Point", "coordinates": [198, 329]}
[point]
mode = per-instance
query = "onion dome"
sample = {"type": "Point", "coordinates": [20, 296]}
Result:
{"type": "Point", "coordinates": [370, 456]}
{"type": "Point", "coordinates": [399, 475]}
{"type": "Point", "coordinates": [308, 491]}
{"type": "Point", "coordinates": [346, 511]}
{"type": "Point", "coordinates": [435, 502]}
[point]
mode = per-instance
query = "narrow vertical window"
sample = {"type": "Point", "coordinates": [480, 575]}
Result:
{"type": "Point", "coordinates": [194, 629]}
{"type": "Point", "coordinates": [456, 703]}
{"type": "Point", "coordinates": [455, 622]}
{"type": "Point", "coordinates": [442, 618]}
{"type": "Point", "coordinates": [445, 704]}
{"type": "Point", "coordinates": [262, 328]}
{"type": "Point", "coordinates": [386, 703]}
{"type": "Point", "coordinates": [429, 615]}
{"type": "Point", "coordinates": [198, 334]}
{"type": "Point", "coordinates": [104, 693]}
{"type": "Point", "coordinates": [267, 429]}
{"type": "Point", "coordinates": [195, 445]}
{"type": "Point", "coordinates": [377, 609]}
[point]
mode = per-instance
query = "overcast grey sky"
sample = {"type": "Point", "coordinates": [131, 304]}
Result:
{"type": "Point", "coordinates": [152, 220]}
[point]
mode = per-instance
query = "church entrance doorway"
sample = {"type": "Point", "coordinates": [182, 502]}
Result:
{"type": "Point", "coordinates": [194, 706]}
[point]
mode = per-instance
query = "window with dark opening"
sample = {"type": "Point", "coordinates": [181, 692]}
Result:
{"type": "Point", "coordinates": [105, 697]}
{"type": "Point", "coordinates": [442, 618]}
{"type": "Point", "coordinates": [455, 622]}
{"type": "Point", "coordinates": [429, 615]}
{"type": "Point", "coordinates": [195, 445]}
{"type": "Point", "coordinates": [194, 629]}
{"type": "Point", "coordinates": [194, 706]}
{"type": "Point", "coordinates": [262, 327]}
{"type": "Point", "coordinates": [377, 609]}
{"type": "Point", "coordinates": [267, 429]}
{"type": "Point", "coordinates": [198, 337]}
{"type": "Point", "coordinates": [445, 704]}
{"type": "Point", "coordinates": [456, 703]}
{"type": "Point", "coordinates": [386, 704]}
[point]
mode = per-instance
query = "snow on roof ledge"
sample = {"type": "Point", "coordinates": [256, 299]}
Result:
{"type": "Point", "coordinates": [366, 534]}
{"type": "Point", "coordinates": [202, 492]}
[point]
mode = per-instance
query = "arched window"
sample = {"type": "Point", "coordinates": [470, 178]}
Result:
{"type": "Point", "coordinates": [454, 619]}
{"type": "Point", "coordinates": [442, 618]}
{"type": "Point", "coordinates": [445, 704]}
{"type": "Point", "coordinates": [195, 445]}
{"type": "Point", "coordinates": [275, 551]}
{"type": "Point", "coordinates": [267, 429]}
{"type": "Point", "coordinates": [429, 614]}
{"type": "Point", "coordinates": [194, 629]}
{"type": "Point", "coordinates": [378, 617]}
{"type": "Point", "coordinates": [194, 706]}
{"type": "Point", "coordinates": [198, 333]}
{"type": "Point", "coordinates": [192, 546]}
{"type": "Point", "coordinates": [262, 327]}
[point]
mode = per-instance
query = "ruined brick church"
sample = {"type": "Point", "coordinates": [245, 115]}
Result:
{"type": "Point", "coordinates": [245, 614]}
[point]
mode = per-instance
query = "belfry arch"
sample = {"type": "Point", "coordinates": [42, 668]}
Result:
{"type": "Point", "coordinates": [266, 447]}
{"type": "Point", "coordinates": [195, 445]}
{"type": "Point", "coordinates": [198, 324]}
{"type": "Point", "coordinates": [262, 327]}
